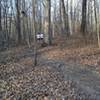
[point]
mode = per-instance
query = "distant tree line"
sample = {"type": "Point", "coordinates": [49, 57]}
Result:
{"type": "Point", "coordinates": [20, 20]}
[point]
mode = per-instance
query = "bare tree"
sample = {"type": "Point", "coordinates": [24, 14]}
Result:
{"type": "Point", "coordinates": [35, 40]}
{"type": "Point", "coordinates": [49, 21]}
{"type": "Point", "coordinates": [0, 17]}
{"type": "Point", "coordinates": [65, 18]}
{"type": "Point", "coordinates": [18, 22]}
{"type": "Point", "coordinates": [97, 23]}
{"type": "Point", "coordinates": [84, 12]}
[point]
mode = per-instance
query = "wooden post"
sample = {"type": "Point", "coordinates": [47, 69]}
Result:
{"type": "Point", "coordinates": [35, 40]}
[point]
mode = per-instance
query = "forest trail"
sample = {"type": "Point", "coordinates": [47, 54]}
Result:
{"type": "Point", "coordinates": [85, 75]}
{"type": "Point", "coordinates": [49, 48]}
{"type": "Point", "coordinates": [22, 62]}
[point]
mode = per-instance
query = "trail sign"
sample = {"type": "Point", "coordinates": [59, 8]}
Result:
{"type": "Point", "coordinates": [39, 36]}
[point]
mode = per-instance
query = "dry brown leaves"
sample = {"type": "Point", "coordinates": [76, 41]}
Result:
{"type": "Point", "coordinates": [40, 82]}
{"type": "Point", "coordinates": [89, 55]}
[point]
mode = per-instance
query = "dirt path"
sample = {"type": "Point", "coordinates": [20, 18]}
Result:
{"type": "Point", "coordinates": [86, 76]}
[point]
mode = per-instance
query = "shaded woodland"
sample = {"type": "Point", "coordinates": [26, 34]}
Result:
{"type": "Point", "coordinates": [21, 20]}
{"type": "Point", "coordinates": [49, 49]}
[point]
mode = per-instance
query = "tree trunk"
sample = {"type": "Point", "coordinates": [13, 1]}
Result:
{"type": "Point", "coordinates": [65, 17]}
{"type": "Point", "coordinates": [0, 17]}
{"type": "Point", "coordinates": [83, 23]}
{"type": "Point", "coordinates": [18, 22]}
{"type": "Point", "coordinates": [97, 23]}
{"type": "Point", "coordinates": [35, 40]}
{"type": "Point", "coordinates": [71, 17]}
{"type": "Point", "coordinates": [49, 21]}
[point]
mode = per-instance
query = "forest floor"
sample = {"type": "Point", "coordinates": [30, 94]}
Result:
{"type": "Point", "coordinates": [71, 70]}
